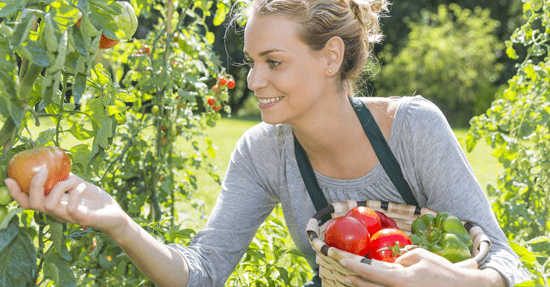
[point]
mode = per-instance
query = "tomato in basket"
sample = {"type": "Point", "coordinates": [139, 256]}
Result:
{"type": "Point", "coordinates": [348, 234]}
{"type": "Point", "coordinates": [385, 221]}
{"type": "Point", "coordinates": [385, 245]}
{"type": "Point", "coordinates": [367, 216]}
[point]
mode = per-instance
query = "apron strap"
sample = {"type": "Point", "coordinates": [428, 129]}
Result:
{"type": "Point", "coordinates": [383, 151]}
{"type": "Point", "coordinates": [381, 148]}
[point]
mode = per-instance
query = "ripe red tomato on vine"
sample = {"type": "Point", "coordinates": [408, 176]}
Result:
{"type": "Point", "coordinates": [211, 101]}
{"type": "Point", "coordinates": [231, 83]}
{"type": "Point", "coordinates": [221, 81]}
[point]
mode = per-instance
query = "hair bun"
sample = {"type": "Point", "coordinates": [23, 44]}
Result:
{"type": "Point", "coordinates": [368, 13]}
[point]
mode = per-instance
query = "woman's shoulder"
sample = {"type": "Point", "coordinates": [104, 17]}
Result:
{"type": "Point", "coordinates": [264, 137]}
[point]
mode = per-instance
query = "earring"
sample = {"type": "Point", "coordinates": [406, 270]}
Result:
{"type": "Point", "coordinates": [329, 70]}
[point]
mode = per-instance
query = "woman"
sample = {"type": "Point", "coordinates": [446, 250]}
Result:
{"type": "Point", "coordinates": [303, 57]}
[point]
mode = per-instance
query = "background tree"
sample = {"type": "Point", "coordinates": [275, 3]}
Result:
{"type": "Point", "coordinates": [450, 59]}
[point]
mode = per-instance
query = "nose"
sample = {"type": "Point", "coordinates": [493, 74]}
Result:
{"type": "Point", "coordinates": [256, 79]}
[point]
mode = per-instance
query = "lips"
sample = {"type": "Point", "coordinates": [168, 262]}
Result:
{"type": "Point", "coordinates": [266, 103]}
{"type": "Point", "coordinates": [269, 100]}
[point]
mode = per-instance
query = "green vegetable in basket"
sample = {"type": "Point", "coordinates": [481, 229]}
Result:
{"type": "Point", "coordinates": [443, 234]}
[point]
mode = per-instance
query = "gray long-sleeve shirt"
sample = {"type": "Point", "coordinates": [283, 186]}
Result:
{"type": "Point", "coordinates": [263, 172]}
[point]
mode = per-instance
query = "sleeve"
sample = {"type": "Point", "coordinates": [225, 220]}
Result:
{"type": "Point", "coordinates": [247, 198]}
{"type": "Point", "coordinates": [449, 184]}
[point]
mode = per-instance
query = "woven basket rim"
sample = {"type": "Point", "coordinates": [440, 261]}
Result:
{"type": "Point", "coordinates": [482, 243]}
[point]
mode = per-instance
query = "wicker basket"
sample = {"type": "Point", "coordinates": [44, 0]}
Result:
{"type": "Point", "coordinates": [328, 258]}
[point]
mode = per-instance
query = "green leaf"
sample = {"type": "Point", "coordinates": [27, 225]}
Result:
{"type": "Point", "coordinates": [62, 272]}
{"type": "Point", "coordinates": [210, 38]}
{"type": "Point", "coordinates": [11, 7]}
{"type": "Point", "coordinates": [221, 13]}
{"type": "Point", "coordinates": [18, 266]}
{"type": "Point", "coordinates": [52, 271]}
{"type": "Point", "coordinates": [9, 232]}
{"type": "Point", "coordinates": [46, 136]}
{"type": "Point", "coordinates": [56, 231]}
{"type": "Point", "coordinates": [186, 96]}
{"type": "Point", "coordinates": [105, 21]}
{"type": "Point", "coordinates": [22, 29]}
{"type": "Point", "coordinates": [524, 254]}
{"type": "Point", "coordinates": [539, 239]}
{"type": "Point", "coordinates": [65, 15]}
{"type": "Point", "coordinates": [34, 51]}
{"type": "Point", "coordinates": [79, 87]}
{"type": "Point", "coordinates": [80, 133]}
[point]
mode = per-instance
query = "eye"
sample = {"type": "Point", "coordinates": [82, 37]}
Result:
{"type": "Point", "coordinates": [273, 63]}
{"type": "Point", "coordinates": [249, 62]}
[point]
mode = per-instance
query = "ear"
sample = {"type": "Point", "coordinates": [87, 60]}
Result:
{"type": "Point", "coordinates": [334, 54]}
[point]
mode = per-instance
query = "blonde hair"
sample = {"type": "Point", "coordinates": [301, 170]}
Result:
{"type": "Point", "coordinates": [356, 22]}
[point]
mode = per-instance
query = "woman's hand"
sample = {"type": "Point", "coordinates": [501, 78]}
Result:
{"type": "Point", "coordinates": [421, 268]}
{"type": "Point", "coordinates": [74, 200]}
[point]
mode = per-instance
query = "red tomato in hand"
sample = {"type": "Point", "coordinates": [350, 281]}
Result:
{"type": "Point", "coordinates": [394, 239]}
{"type": "Point", "coordinates": [385, 221]}
{"type": "Point", "coordinates": [368, 217]}
{"type": "Point", "coordinates": [24, 165]}
{"type": "Point", "coordinates": [348, 234]}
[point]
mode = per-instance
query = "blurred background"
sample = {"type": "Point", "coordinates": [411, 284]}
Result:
{"type": "Point", "coordinates": [450, 52]}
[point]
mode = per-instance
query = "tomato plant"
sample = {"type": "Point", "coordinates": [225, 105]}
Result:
{"type": "Point", "coordinates": [95, 105]}
{"type": "Point", "coordinates": [3, 212]}
{"type": "Point", "coordinates": [24, 165]}
{"type": "Point", "coordinates": [348, 234]}
{"type": "Point", "coordinates": [385, 244]}
{"type": "Point", "coordinates": [367, 216]}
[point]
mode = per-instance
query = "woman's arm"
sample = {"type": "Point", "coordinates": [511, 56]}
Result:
{"type": "Point", "coordinates": [90, 206]}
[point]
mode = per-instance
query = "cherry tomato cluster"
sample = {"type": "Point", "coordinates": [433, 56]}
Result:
{"type": "Point", "coordinates": [223, 81]}
{"type": "Point", "coordinates": [211, 101]}
{"type": "Point", "coordinates": [367, 233]}
{"type": "Point", "coordinates": [144, 50]}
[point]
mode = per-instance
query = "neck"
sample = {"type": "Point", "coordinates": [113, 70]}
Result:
{"type": "Point", "coordinates": [330, 131]}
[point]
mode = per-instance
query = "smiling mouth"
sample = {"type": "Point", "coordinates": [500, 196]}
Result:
{"type": "Point", "coordinates": [270, 100]}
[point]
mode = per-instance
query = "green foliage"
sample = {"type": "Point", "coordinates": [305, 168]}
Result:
{"type": "Point", "coordinates": [271, 259]}
{"type": "Point", "coordinates": [102, 99]}
{"type": "Point", "coordinates": [450, 59]}
{"type": "Point", "coordinates": [517, 128]}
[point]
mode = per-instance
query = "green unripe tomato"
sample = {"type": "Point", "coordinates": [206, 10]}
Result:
{"type": "Point", "coordinates": [155, 110]}
{"type": "Point", "coordinates": [5, 197]}
{"type": "Point", "coordinates": [127, 21]}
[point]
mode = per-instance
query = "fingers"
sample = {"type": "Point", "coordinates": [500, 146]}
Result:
{"type": "Point", "coordinates": [36, 193]}
{"type": "Point", "coordinates": [57, 202]}
{"type": "Point", "coordinates": [360, 282]}
{"type": "Point", "coordinates": [375, 275]}
{"type": "Point", "coordinates": [410, 258]}
{"type": "Point", "coordinates": [16, 193]}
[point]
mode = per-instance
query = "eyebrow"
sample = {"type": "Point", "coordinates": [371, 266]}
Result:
{"type": "Point", "coordinates": [265, 52]}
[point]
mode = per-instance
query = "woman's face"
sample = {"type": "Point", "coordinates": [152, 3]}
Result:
{"type": "Point", "coordinates": [285, 75]}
